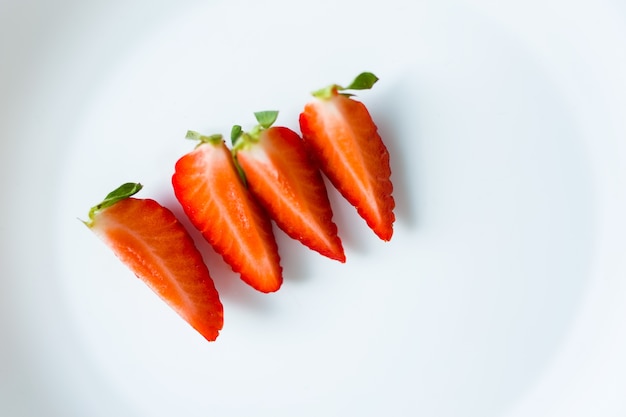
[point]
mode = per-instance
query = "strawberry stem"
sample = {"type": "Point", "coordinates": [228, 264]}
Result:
{"type": "Point", "coordinates": [120, 193]}
{"type": "Point", "coordinates": [326, 92]}
{"type": "Point", "coordinates": [363, 81]}
{"type": "Point", "coordinates": [241, 139]}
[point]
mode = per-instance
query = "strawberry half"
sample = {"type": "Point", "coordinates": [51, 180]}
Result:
{"type": "Point", "coordinates": [281, 176]}
{"type": "Point", "coordinates": [208, 186]}
{"type": "Point", "coordinates": [340, 133]}
{"type": "Point", "coordinates": [149, 239]}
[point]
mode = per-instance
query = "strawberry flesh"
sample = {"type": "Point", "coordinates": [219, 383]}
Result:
{"type": "Point", "coordinates": [340, 133]}
{"type": "Point", "coordinates": [213, 196]}
{"type": "Point", "coordinates": [149, 239]}
{"type": "Point", "coordinates": [290, 187]}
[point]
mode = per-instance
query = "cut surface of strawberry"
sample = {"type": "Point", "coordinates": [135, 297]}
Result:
{"type": "Point", "coordinates": [341, 135]}
{"type": "Point", "coordinates": [212, 194]}
{"type": "Point", "coordinates": [282, 177]}
{"type": "Point", "coordinates": [150, 240]}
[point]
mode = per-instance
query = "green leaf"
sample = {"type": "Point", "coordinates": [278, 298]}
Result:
{"type": "Point", "coordinates": [266, 118]}
{"type": "Point", "coordinates": [120, 193]}
{"type": "Point", "coordinates": [235, 134]}
{"type": "Point", "coordinates": [363, 81]}
{"type": "Point", "coordinates": [123, 191]}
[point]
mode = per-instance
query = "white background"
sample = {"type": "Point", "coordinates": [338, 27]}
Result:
{"type": "Point", "coordinates": [501, 293]}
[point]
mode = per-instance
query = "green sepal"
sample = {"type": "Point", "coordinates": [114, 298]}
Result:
{"type": "Point", "coordinates": [212, 139]}
{"type": "Point", "coordinates": [235, 134]}
{"type": "Point", "coordinates": [240, 171]}
{"type": "Point", "coordinates": [266, 118]}
{"type": "Point", "coordinates": [363, 81]}
{"type": "Point", "coordinates": [120, 193]}
{"type": "Point", "coordinates": [242, 140]}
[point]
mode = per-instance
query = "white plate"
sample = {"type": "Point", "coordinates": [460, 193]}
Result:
{"type": "Point", "coordinates": [502, 293]}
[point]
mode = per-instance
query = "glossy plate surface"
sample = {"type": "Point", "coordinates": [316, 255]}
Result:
{"type": "Point", "coordinates": [501, 294]}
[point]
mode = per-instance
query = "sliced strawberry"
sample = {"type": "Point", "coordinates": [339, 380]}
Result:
{"type": "Point", "coordinates": [149, 239]}
{"type": "Point", "coordinates": [208, 186]}
{"type": "Point", "coordinates": [340, 133]}
{"type": "Point", "coordinates": [280, 174]}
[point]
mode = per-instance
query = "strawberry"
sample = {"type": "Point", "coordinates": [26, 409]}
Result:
{"type": "Point", "coordinates": [339, 131]}
{"type": "Point", "coordinates": [280, 174]}
{"type": "Point", "coordinates": [149, 239]}
{"type": "Point", "coordinates": [208, 186]}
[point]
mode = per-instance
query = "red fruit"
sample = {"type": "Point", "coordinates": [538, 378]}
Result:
{"type": "Point", "coordinates": [208, 186]}
{"type": "Point", "coordinates": [340, 133]}
{"type": "Point", "coordinates": [149, 239]}
{"type": "Point", "coordinates": [288, 185]}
